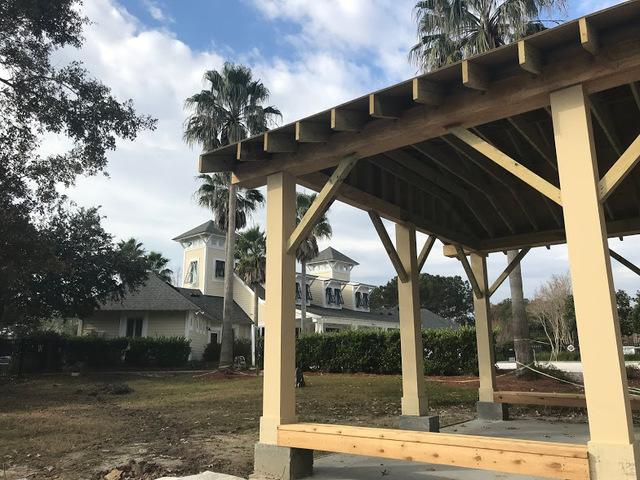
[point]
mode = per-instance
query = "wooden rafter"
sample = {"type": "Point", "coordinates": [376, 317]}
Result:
{"type": "Point", "coordinates": [624, 261]}
{"type": "Point", "coordinates": [426, 249]}
{"type": "Point", "coordinates": [462, 256]}
{"type": "Point", "coordinates": [507, 271]}
{"type": "Point", "coordinates": [321, 202]}
{"type": "Point", "coordinates": [623, 166]}
{"type": "Point", "coordinates": [529, 57]}
{"type": "Point", "coordinates": [588, 36]}
{"type": "Point", "coordinates": [509, 164]}
{"type": "Point", "coordinates": [388, 246]}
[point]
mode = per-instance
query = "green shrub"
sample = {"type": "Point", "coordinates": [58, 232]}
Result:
{"type": "Point", "coordinates": [241, 347]}
{"type": "Point", "coordinates": [446, 352]}
{"type": "Point", "coordinates": [563, 356]}
{"type": "Point", "coordinates": [94, 352]}
{"type": "Point", "coordinates": [160, 352]}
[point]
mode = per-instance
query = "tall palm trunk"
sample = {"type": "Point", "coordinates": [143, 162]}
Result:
{"type": "Point", "coordinates": [521, 343]}
{"type": "Point", "coordinates": [303, 295]}
{"type": "Point", "coordinates": [226, 349]}
{"type": "Point", "coordinates": [254, 325]}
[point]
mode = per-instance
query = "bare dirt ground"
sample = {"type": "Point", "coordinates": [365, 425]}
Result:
{"type": "Point", "coordinates": [59, 427]}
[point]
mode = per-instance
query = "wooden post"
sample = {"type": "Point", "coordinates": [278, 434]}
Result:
{"type": "Point", "coordinates": [484, 337]}
{"type": "Point", "coordinates": [612, 449]}
{"type": "Point", "coordinates": [278, 399]}
{"type": "Point", "coordinates": [414, 400]}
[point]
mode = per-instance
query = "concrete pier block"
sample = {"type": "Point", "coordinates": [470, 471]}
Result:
{"type": "Point", "coordinates": [492, 411]}
{"type": "Point", "coordinates": [281, 463]}
{"type": "Point", "coordinates": [425, 423]}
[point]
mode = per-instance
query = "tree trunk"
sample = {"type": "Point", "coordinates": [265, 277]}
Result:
{"type": "Point", "coordinates": [226, 349]}
{"type": "Point", "coordinates": [303, 295]}
{"type": "Point", "coordinates": [521, 343]}
{"type": "Point", "coordinates": [254, 326]}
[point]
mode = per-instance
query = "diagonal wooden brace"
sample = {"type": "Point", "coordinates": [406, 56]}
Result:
{"type": "Point", "coordinates": [619, 170]}
{"type": "Point", "coordinates": [426, 249]}
{"type": "Point", "coordinates": [469, 271]}
{"type": "Point", "coordinates": [322, 202]}
{"type": "Point", "coordinates": [509, 164]}
{"type": "Point", "coordinates": [388, 246]}
{"type": "Point", "coordinates": [507, 271]}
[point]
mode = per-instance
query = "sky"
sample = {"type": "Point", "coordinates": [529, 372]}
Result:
{"type": "Point", "coordinates": [311, 55]}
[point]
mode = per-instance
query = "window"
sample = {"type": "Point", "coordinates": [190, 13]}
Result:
{"type": "Point", "coordinates": [358, 300]}
{"type": "Point", "coordinates": [134, 327]}
{"type": "Point", "coordinates": [219, 269]}
{"type": "Point", "coordinates": [298, 292]}
{"type": "Point", "coordinates": [192, 273]}
{"type": "Point", "coordinates": [328, 292]}
{"type": "Point", "coordinates": [365, 300]}
{"type": "Point", "coordinates": [213, 337]}
{"type": "Point", "coordinates": [309, 297]}
{"type": "Point", "coordinates": [338, 296]}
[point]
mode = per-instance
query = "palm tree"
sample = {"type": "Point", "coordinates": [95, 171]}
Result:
{"type": "Point", "coordinates": [158, 264]}
{"type": "Point", "coordinates": [132, 248]}
{"type": "Point", "coordinates": [450, 30]}
{"type": "Point", "coordinates": [251, 257]}
{"type": "Point", "coordinates": [308, 249]}
{"type": "Point", "coordinates": [228, 111]}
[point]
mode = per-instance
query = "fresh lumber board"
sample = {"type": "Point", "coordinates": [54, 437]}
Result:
{"type": "Point", "coordinates": [550, 399]}
{"type": "Point", "coordinates": [527, 457]}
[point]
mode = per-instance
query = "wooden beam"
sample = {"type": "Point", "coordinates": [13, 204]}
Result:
{"type": "Point", "coordinates": [343, 120]}
{"type": "Point", "coordinates": [362, 199]}
{"type": "Point", "coordinates": [518, 170]}
{"type": "Point", "coordinates": [588, 36]}
{"type": "Point", "coordinates": [474, 76]}
{"type": "Point", "coordinates": [388, 246]}
{"type": "Point", "coordinates": [529, 57]}
{"type": "Point", "coordinates": [535, 139]}
{"type": "Point", "coordinates": [312, 132]}
{"type": "Point", "coordinates": [250, 151]}
{"type": "Point", "coordinates": [462, 256]}
{"type": "Point", "coordinates": [381, 106]}
{"type": "Point", "coordinates": [321, 203]}
{"type": "Point", "coordinates": [279, 142]}
{"type": "Point", "coordinates": [619, 62]}
{"type": "Point", "coordinates": [427, 92]}
{"type": "Point", "coordinates": [507, 271]}
{"type": "Point", "coordinates": [210, 163]}
{"type": "Point", "coordinates": [550, 399]}
{"type": "Point", "coordinates": [526, 457]}
{"type": "Point", "coordinates": [624, 261]}
{"type": "Point", "coordinates": [426, 249]}
{"type": "Point", "coordinates": [623, 166]}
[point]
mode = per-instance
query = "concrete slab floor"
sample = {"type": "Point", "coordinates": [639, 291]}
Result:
{"type": "Point", "coordinates": [352, 467]}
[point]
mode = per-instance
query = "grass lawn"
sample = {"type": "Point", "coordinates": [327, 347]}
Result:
{"type": "Point", "coordinates": [71, 428]}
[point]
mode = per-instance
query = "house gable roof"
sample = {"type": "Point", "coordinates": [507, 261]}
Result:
{"type": "Point", "coordinates": [154, 295]}
{"type": "Point", "coordinates": [213, 306]}
{"type": "Point", "coordinates": [207, 227]}
{"type": "Point", "coordinates": [331, 254]}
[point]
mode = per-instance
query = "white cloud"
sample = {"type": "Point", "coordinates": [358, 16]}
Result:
{"type": "Point", "coordinates": [341, 50]}
{"type": "Point", "coordinates": [156, 12]}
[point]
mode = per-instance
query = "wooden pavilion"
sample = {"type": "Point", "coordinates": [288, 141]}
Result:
{"type": "Point", "coordinates": [531, 144]}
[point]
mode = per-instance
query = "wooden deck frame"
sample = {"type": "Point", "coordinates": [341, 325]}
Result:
{"type": "Point", "coordinates": [550, 399]}
{"type": "Point", "coordinates": [526, 457]}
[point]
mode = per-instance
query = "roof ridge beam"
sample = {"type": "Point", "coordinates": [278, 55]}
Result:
{"type": "Point", "coordinates": [321, 202]}
{"type": "Point", "coordinates": [509, 164]}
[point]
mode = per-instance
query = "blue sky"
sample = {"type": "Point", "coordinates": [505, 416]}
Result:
{"type": "Point", "coordinates": [311, 55]}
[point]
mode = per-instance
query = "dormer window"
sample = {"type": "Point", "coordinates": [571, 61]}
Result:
{"type": "Point", "coordinates": [219, 269]}
{"type": "Point", "coordinates": [328, 292]}
{"type": "Point", "coordinates": [192, 273]}
{"type": "Point", "coordinates": [338, 296]}
{"type": "Point", "coordinates": [298, 292]}
{"type": "Point", "coordinates": [365, 300]}
{"type": "Point", "coordinates": [308, 289]}
{"type": "Point", "coordinates": [358, 300]}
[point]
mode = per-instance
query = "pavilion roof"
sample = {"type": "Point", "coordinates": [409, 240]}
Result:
{"type": "Point", "coordinates": [415, 139]}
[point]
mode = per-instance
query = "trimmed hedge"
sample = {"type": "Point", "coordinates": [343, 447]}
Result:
{"type": "Point", "coordinates": [49, 352]}
{"type": "Point", "coordinates": [240, 347]}
{"type": "Point", "coordinates": [446, 352]}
